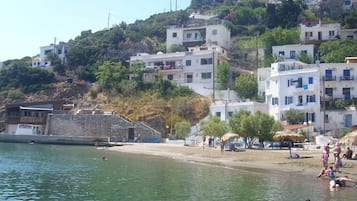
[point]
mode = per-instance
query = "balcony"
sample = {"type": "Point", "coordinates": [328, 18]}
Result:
{"type": "Point", "coordinates": [33, 120]}
{"type": "Point", "coordinates": [346, 78]}
{"type": "Point", "coordinates": [329, 78]}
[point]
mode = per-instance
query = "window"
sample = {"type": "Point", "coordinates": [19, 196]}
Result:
{"type": "Point", "coordinates": [230, 114]}
{"type": "Point", "coordinates": [188, 62]}
{"type": "Point", "coordinates": [329, 91]}
{"type": "Point", "coordinates": [205, 76]}
{"type": "Point", "coordinates": [310, 98]}
{"type": "Point", "coordinates": [288, 100]}
{"type": "Point", "coordinates": [170, 77]}
{"type": "Point", "coordinates": [205, 61]}
{"type": "Point", "coordinates": [281, 53]}
{"type": "Point", "coordinates": [299, 82]}
{"type": "Point", "coordinates": [218, 114]}
{"type": "Point", "coordinates": [214, 32]}
{"type": "Point", "coordinates": [308, 34]}
{"type": "Point", "coordinates": [292, 54]}
{"type": "Point", "coordinates": [275, 101]}
{"type": "Point", "coordinates": [346, 74]}
{"type": "Point", "coordinates": [331, 33]}
{"type": "Point", "coordinates": [304, 51]}
{"type": "Point", "coordinates": [188, 35]}
{"type": "Point", "coordinates": [311, 80]}
{"type": "Point", "coordinates": [346, 93]}
{"type": "Point", "coordinates": [174, 35]}
{"type": "Point", "coordinates": [289, 83]}
{"type": "Point", "coordinates": [300, 100]}
{"type": "Point", "coordinates": [196, 35]}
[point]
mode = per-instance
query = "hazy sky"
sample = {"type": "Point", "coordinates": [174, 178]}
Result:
{"type": "Point", "coordinates": [26, 25]}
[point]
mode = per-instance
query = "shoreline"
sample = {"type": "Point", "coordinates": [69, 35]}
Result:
{"type": "Point", "coordinates": [275, 160]}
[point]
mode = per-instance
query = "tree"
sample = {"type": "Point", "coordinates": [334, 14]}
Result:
{"type": "Point", "coordinates": [110, 74]}
{"type": "Point", "coordinates": [252, 126]}
{"type": "Point", "coordinates": [330, 8]}
{"type": "Point", "coordinates": [182, 129]}
{"type": "Point", "coordinates": [351, 19]}
{"type": "Point", "coordinates": [247, 85]}
{"type": "Point", "coordinates": [294, 116]}
{"type": "Point", "coordinates": [223, 75]}
{"type": "Point", "coordinates": [336, 51]}
{"type": "Point", "coordinates": [267, 126]}
{"type": "Point", "coordinates": [213, 126]}
{"type": "Point", "coordinates": [235, 122]}
{"type": "Point", "coordinates": [304, 57]}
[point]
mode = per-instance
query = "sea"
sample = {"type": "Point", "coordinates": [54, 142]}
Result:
{"type": "Point", "coordinates": [60, 172]}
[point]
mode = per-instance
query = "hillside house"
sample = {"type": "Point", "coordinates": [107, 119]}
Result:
{"type": "Point", "coordinates": [200, 30]}
{"type": "Point", "coordinates": [29, 118]}
{"type": "Point", "coordinates": [314, 32]}
{"type": "Point", "coordinates": [287, 52]}
{"type": "Point", "coordinates": [61, 50]}
{"type": "Point", "coordinates": [195, 68]}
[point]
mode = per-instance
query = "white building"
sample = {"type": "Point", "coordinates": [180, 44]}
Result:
{"type": "Point", "coordinates": [293, 51]}
{"type": "Point", "coordinates": [294, 85]}
{"type": "Point", "coordinates": [200, 30]}
{"type": "Point", "coordinates": [196, 68]}
{"type": "Point", "coordinates": [324, 92]}
{"type": "Point", "coordinates": [226, 109]}
{"type": "Point", "coordinates": [338, 82]}
{"type": "Point", "coordinates": [315, 31]}
{"type": "Point", "coordinates": [61, 50]}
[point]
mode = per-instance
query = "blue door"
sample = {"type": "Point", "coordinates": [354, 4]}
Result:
{"type": "Point", "coordinates": [348, 120]}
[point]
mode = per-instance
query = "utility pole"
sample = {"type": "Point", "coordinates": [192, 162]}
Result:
{"type": "Point", "coordinates": [214, 76]}
{"type": "Point", "coordinates": [108, 19]}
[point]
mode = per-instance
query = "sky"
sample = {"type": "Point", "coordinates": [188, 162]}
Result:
{"type": "Point", "coordinates": [27, 25]}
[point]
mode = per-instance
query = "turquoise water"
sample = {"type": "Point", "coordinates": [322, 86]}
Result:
{"type": "Point", "coordinates": [47, 172]}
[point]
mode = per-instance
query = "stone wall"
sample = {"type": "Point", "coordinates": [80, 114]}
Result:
{"type": "Point", "coordinates": [110, 126]}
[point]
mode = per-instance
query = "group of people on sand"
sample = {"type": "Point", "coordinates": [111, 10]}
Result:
{"type": "Point", "coordinates": [330, 172]}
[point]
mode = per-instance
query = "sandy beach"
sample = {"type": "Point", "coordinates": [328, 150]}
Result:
{"type": "Point", "coordinates": [272, 160]}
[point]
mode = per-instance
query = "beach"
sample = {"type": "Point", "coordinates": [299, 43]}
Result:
{"type": "Point", "coordinates": [264, 159]}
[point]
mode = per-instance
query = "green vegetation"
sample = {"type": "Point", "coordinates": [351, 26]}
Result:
{"type": "Point", "coordinates": [213, 126]}
{"type": "Point", "coordinates": [294, 116]}
{"type": "Point", "coordinates": [247, 86]}
{"type": "Point", "coordinates": [259, 126]}
{"type": "Point", "coordinates": [335, 51]}
{"type": "Point", "coordinates": [17, 75]}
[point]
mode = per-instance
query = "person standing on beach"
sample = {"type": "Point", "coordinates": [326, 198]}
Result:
{"type": "Point", "coordinates": [324, 159]}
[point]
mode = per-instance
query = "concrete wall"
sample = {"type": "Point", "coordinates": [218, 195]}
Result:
{"type": "Point", "coordinates": [99, 126]}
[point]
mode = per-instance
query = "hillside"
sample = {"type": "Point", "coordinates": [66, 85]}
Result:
{"type": "Point", "coordinates": [151, 108]}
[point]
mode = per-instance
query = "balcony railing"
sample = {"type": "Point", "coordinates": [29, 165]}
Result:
{"type": "Point", "coordinates": [329, 78]}
{"type": "Point", "coordinates": [346, 78]}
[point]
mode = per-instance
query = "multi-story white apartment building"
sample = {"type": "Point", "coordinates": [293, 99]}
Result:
{"type": "Point", "coordinates": [200, 30]}
{"type": "Point", "coordinates": [293, 85]}
{"type": "Point", "coordinates": [61, 50]}
{"type": "Point", "coordinates": [293, 51]}
{"type": "Point", "coordinates": [315, 31]}
{"type": "Point", "coordinates": [325, 92]}
{"type": "Point", "coordinates": [338, 81]}
{"type": "Point", "coordinates": [196, 68]}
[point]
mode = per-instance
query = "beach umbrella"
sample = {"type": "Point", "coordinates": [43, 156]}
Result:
{"type": "Point", "coordinates": [229, 136]}
{"type": "Point", "coordinates": [288, 135]}
{"type": "Point", "coordinates": [350, 138]}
